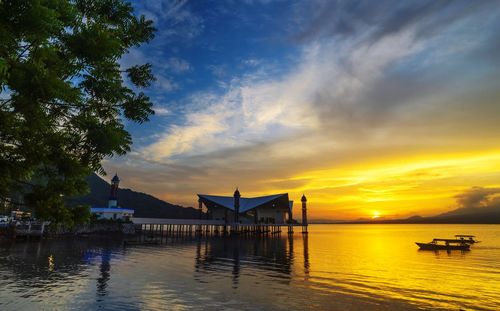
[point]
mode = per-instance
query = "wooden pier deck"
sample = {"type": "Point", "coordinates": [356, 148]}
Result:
{"type": "Point", "coordinates": [152, 226]}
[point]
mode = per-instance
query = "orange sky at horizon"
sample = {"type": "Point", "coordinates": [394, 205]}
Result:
{"type": "Point", "coordinates": [424, 185]}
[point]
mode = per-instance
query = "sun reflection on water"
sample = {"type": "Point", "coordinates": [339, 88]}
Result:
{"type": "Point", "coordinates": [51, 263]}
{"type": "Point", "coordinates": [382, 262]}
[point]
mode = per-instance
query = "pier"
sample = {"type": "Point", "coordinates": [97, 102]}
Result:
{"type": "Point", "coordinates": [169, 227]}
{"type": "Point", "coordinates": [27, 229]}
{"type": "Point", "coordinates": [232, 217]}
{"type": "Point", "coordinates": [31, 228]}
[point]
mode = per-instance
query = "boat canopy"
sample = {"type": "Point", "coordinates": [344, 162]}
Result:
{"type": "Point", "coordinates": [447, 240]}
{"type": "Point", "coordinates": [464, 236]}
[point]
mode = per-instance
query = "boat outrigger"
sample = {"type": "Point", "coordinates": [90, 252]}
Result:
{"type": "Point", "coordinates": [445, 244]}
{"type": "Point", "coordinates": [467, 238]}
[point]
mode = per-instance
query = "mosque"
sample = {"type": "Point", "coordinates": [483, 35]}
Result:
{"type": "Point", "coordinates": [270, 209]}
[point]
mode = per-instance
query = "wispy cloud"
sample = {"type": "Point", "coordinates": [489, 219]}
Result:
{"type": "Point", "coordinates": [252, 62]}
{"type": "Point", "coordinates": [371, 82]}
{"type": "Point", "coordinates": [177, 65]}
{"type": "Point", "coordinates": [174, 17]}
{"type": "Point", "coordinates": [219, 71]}
{"type": "Point", "coordinates": [161, 111]}
{"type": "Point", "coordinates": [166, 84]}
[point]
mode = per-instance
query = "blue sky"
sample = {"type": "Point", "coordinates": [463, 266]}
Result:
{"type": "Point", "coordinates": [201, 46]}
{"type": "Point", "coordinates": [302, 96]}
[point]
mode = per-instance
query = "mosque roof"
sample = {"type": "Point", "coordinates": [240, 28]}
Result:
{"type": "Point", "coordinates": [246, 204]}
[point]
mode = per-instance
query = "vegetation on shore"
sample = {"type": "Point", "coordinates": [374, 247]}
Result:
{"type": "Point", "coordinates": [63, 98]}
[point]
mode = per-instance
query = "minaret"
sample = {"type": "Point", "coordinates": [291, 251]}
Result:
{"type": "Point", "coordinates": [200, 207]}
{"type": "Point", "coordinates": [113, 194]}
{"type": "Point", "coordinates": [237, 197]}
{"type": "Point", "coordinates": [200, 210]}
{"type": "Point", "coordinates": [304, 213]}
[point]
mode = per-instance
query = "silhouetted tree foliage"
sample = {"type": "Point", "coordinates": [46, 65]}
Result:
{"type": "Point", "coordinates": [63, 98]}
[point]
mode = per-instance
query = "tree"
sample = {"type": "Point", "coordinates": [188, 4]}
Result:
{"type": "Point", "coordinates": [63, 97]}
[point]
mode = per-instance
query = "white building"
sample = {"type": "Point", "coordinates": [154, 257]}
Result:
{"type": "Point", "coordinates": [113, 211]}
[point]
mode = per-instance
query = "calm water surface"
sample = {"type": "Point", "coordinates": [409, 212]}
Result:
{"type": "Point", "coordinates": [335, 267]}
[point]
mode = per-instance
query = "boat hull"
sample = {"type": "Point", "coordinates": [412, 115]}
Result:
{"type": "Point", "coordinates": [434, 247]}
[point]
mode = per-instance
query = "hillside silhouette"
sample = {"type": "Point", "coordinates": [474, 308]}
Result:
{"type": "Point", "coordinates": [145, 205]}
{"type": "Point", "coordinates": [465, 215]}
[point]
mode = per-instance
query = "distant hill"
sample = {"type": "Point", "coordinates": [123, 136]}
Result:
{"type": "Point", "coordinates": [145, 205]}
{"type": "Point", "coordinates": [467, 215]}
{"type": "Point", "coordinates": [484, 215]}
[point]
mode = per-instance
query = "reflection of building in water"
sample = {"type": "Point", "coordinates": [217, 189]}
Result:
{"type": "Point", "coordinates": [305, 244]}
{"type": "Point", "coordinates": [102, 281]}
{"type": "Point", "coordinates": [64, 259]}
{"type": "Point", "coordinates": [290, 250]}
{"type": "Point", "coordinates": [273, 209]}
{"type": "Point", "coordinates": [236, 266]}
{"type": "Point", "coordinates": [267, 253]}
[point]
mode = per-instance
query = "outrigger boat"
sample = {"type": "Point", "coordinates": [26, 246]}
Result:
{"type": "Point", "coordinates": [467, 238]}
{"type": "Point", "coordinates": [446, 244]}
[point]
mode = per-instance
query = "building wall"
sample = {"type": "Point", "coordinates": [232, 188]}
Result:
{"type": "Point", "coordinates": [270, 214]}
{"type": "Point", "coordinates": [264, 215]}
{"type": "Point", "coordinates": [114, 215]}
{"type": "Point", "coordinates": [218, 213]}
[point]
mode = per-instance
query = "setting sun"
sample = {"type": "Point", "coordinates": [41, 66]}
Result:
{"type": "Point", "coordinates": [376, 214]}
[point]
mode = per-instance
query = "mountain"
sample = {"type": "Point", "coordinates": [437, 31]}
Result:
{"type": "Point", "coordinates": [489, 214]}
{"type": "Point", "coordinates": [466, 215]}
{"type": "Point", "coordinates": [145, 205]}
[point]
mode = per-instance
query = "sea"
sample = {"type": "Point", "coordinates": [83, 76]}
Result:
{"type": "Point", "coordinates": [333, 267]}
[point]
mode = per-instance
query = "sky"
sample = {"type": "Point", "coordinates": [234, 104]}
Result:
{"type": "Point", "coordinates": [370, 108]}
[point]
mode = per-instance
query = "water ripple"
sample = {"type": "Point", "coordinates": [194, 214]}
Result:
{"type": "Point", "coordinates": [334, 267]}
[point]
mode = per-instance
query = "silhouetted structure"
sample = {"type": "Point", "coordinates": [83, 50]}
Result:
{"type": "Point", "coordinates": [271, 209]}
{"type": "Point", "coordinates": [113, 211]}
{"type": "Point", "coordinates": [113, 194]}
{"type": "Point", "coordinates": [231, 215]}
{"type": "Point", "coordinates": [304, 213]}
{"type": "Point", "coordinates": [237, 197]}
{"type": "Point", "coordinates": [200, 208]}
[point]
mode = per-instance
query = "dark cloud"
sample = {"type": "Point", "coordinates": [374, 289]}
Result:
{"type": "Point", "coordinates": [488, 53]}
{"type": "Point", "coordinates": [478, 197]}
{"type": "Point", "coordinates": [452, 51]}
{"type": "Point", "coordinates": [378, 18]}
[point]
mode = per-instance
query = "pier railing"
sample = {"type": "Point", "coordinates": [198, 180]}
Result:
{"type": "Point", "coordinates": [31, 228]}
{"type": "Point", "coordinates": [170, 221]}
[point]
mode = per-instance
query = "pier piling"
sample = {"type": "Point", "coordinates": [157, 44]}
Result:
{"type": "Point", "coordinates": [184, 227]}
